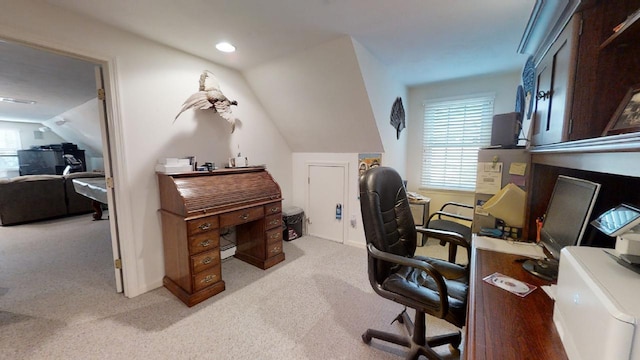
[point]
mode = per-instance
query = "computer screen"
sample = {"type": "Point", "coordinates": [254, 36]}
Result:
{"type": "Point", "coordinates": [568, 213]}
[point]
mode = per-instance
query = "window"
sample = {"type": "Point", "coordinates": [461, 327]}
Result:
{"type": "Point", "coordinates": [9, 146]}
{"type": "Point", "coordinates": [454, 130]}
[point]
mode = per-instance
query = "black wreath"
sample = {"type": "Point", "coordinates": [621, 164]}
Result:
{"type": "Point", "coordinates": [397, 116]}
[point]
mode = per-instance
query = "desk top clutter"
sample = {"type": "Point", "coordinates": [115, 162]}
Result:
{"type": "Point", "coordinates": [173, 165]}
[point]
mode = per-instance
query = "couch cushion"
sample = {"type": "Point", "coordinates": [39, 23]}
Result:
{"type": "Point", "coordinates": [30, 198]}
{"type": "Point", "coordinates": [26, 178]}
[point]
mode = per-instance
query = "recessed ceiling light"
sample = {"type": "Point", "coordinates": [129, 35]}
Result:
{"type": "Point", "coordinates": [17, 101]}
{"type": "Point", "coordinates": [225, 47]}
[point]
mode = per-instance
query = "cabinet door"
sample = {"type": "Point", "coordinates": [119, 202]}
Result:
{"type": "Point", "coordinates": [555, 81]}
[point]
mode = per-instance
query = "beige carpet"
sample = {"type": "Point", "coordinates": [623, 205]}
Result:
{"type": "Point", "coordinates": [58, 301]}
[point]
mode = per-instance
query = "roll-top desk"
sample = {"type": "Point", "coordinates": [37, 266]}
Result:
{"type": "Point", "coordinates": [195, 205]}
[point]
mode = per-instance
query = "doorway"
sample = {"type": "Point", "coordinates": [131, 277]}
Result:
{"type": "Point", "coordinates": [326, 202]}
{"type": "Point", "coordinates": [48, 76]}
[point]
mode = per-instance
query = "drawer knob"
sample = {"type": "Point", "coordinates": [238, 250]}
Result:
{"type": "Point", "coordinates": [207, 279]}
{"type": "Point", "coordinates": [205, 226]}
{"type": "Point", "coordinates": [275, 249]}
{"type": "Point", "coordinates": [274, 222]}
{"type": "Point", "coordinates": [207, 260]}
{"type": "Point", "coordinates": [275, 209]}
{"type": "Point", "coordinates": [275, 236]}
{"type": "Point", "coordinates": [205, 243]}
{"type": "Point", "coordinates": [244, 216]}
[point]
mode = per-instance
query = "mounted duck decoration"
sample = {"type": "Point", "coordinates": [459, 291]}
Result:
{"type": "Point", "coordinates": [209, 96]}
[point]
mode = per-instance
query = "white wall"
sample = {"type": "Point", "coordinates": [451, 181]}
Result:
{"type": "Point", "coordinates": [151, 82]}
{"type": "Point", "coordinates": [27, 137]}
{"type": "Point", "coordinates": [81, 126]}
{"type": "Point", "coordinates": [318, 99]}
{"type": "Point", "coordinates": [503, 85]}
{"type": "Point", "coordinates": [383, 90]}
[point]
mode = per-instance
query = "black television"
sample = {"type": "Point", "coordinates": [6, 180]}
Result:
{"type": "Point", "coordinates": [565, 222]}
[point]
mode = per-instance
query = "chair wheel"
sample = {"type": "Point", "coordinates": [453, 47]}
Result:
{"type": "Point", "coordinates": [366, 338]}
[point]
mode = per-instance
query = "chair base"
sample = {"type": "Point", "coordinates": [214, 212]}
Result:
{"type": "Point", "coordinates": [416, 341]}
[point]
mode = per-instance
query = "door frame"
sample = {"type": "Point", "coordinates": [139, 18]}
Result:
{"type": "Point", "coordinates": [114, 161]}
{"type": "Point", "coordinates": [345, 180]}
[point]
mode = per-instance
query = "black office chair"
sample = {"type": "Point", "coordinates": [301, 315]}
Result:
{"type": "Point", "coordinates": [430, 286]}
{"type": "Point", "coordinates": [445, 219]}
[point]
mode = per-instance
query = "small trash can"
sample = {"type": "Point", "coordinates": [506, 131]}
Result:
{"type": "Point", "coordinates": [293, 219]}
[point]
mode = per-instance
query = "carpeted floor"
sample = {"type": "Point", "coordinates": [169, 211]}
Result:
{"type": "Point", "coordinates": [58, 301]}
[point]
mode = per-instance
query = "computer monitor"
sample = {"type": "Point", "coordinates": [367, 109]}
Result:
{"type": "Point", "coordinates": [565, 221]}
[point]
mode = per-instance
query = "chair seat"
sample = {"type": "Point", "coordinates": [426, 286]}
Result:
{"type": "Point", "coordinates": [416, 285]}
{"type": "Point", "coordinates": [449, 225]}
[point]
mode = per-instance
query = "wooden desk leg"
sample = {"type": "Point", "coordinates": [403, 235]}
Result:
{"type": "Point", "coordinates": [98, 210]}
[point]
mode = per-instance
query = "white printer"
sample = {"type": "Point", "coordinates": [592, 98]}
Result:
{"type": "Point", "coordinates": [597, 307]}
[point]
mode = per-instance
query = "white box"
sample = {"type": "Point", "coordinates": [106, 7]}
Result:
{"type": "Point", "coordinates": [597, 305]}
{"type": "Point", "coordinates": [168, 161]}
{"type": "Point", "coordinates": [170, 169]}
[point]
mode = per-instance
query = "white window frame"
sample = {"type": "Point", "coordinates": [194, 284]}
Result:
{"type": "Point", "coordinates": [454, 129]}
{"type": "Point", "coordinates": [10, 143]}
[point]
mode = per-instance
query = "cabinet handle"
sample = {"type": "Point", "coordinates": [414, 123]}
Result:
{"type": "Point", "coordinates": [207, 260]}
{"type": "Point", "coordinates": [244, 216]}
{"type": "Point", "coordinates": [205, 243]}
{"type": "Point", "coordinates": [205, 226]}
{"type": "Point", "coordinates": [274, 222]}
{"type": "Point", "coordinates": [275, 250]}
{"type": "Point", "coordinates": [543, 95]}
{"type": "Point", "coordinates": [275, 209]}
{"type": "Point", "coordinates": [208, 279]}
{"type": "Point", "coordinates": [275, 236]}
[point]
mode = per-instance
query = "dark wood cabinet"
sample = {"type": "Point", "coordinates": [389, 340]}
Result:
{"type": "Point", "coordinates": [586, 72]}
{"type": "Point", "coordinates": [554, 83]}
{"type": "Point", "coordinates": [195, 205]}
{"type": "Point", "coordinates": [606, 66]}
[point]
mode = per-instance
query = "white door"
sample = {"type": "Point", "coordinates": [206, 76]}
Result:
{"type": "Point", "coordinates": [106, 153]}
{"type": "Point", "coordinates": [326, 189]}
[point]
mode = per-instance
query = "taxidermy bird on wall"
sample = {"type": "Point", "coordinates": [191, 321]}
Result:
{"type": "Point", "coordinates": [209, 96]}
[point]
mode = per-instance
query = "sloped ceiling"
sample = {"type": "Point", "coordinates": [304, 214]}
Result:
{"type": "Point", "coordinates": [318, 99]}
{"type": "Point", "coordinates": [299, 58]}
{"type": "Point", "coordinates": [56, 82]}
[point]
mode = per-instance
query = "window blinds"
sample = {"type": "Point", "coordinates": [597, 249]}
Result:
{"type": "Point", "coordinates": [454, 130]}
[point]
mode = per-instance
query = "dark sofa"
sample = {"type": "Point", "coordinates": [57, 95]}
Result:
{"type": "Point", "coordinates": [37, 197]}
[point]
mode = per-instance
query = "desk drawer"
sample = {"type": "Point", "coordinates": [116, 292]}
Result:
{"type": "Point", "coordinates": [274, 236]}
{"type": "Point", "coordinates": [205, 260]}
{"type": "Point", "coordinates": [241, 216]}
{"type": "Point", "coordinates": [273, 221]}
{"type": "Point", "coordinates": [202, 242]}
{"type": "Point", "coordinates": [202, 225]}
{"type": "Point", "coordinates": [206, 278]}
{"type": "Point", "coordinates": [274, 242]}
{"type": "Point", "coordinates": [273, 208]}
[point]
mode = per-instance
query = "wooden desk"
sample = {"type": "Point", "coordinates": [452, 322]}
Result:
{"type": "Point", "coordinates": [501, 325]}
{"type": "Point", "coordinates": [195, 205]}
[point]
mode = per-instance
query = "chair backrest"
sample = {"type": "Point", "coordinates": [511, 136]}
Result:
{"type": "Point", "coordinates": [386, 216]}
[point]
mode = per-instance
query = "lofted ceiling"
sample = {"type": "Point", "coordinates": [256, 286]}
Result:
{"type": "Point", "coordinates": [418, 41]}
{"type": "Point", "coordinates": [57, 83]}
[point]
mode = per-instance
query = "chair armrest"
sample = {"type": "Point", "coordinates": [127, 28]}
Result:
{"type": "Point", "coordinates": [443, 235]}
{"type": "Point", "coordinates": [417, 264]}
{"type": "Point", "coordinates": [441, 213]}
{"type": "Point", "coordinates": [453, 203]}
